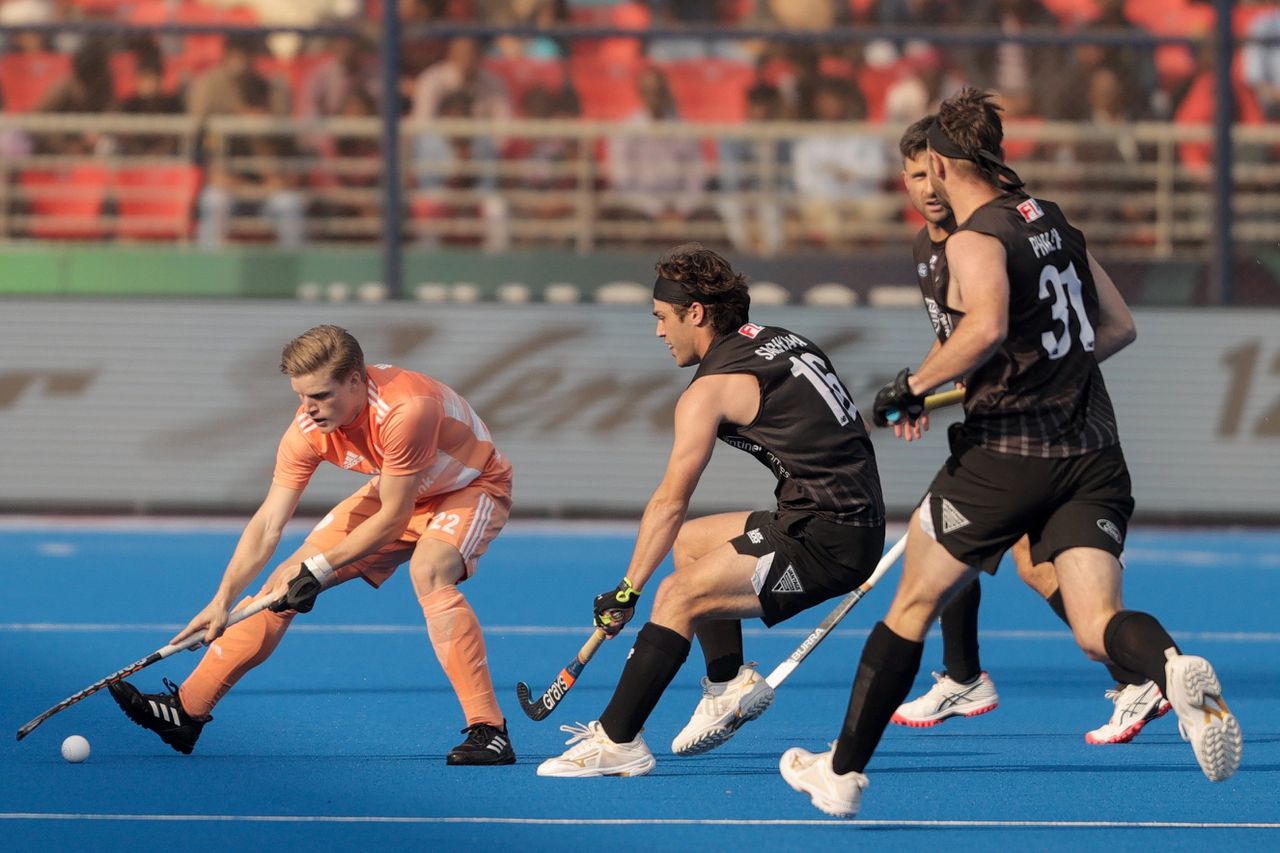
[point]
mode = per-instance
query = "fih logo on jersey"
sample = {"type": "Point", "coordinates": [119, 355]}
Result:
{"type": "Point", "coordinates": [750, 330]}
{"type": "Point", "coordinates": [922, 269]}
{"type": "Point", "coordinates": [1030, 210]}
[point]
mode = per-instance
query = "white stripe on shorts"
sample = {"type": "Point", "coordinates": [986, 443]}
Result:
{"type": "Point", "coordinates": [926, 518]}
{"type": "Point", "coordinates": [479, 523]}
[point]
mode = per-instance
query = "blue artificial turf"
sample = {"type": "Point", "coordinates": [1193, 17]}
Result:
{"type": "Point", "coordinates": [347, 725]}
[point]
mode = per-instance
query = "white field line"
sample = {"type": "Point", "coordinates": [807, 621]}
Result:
{"type": "Point", "coordinates": [538, 821]}
{"type": "Point", "coordinates": [560, 631]}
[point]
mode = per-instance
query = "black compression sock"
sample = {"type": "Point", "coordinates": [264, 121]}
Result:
{"type": "Point", "coordinates": [1119, 673]}
{"type": "Point", "coordinates": [889, 664]}
{"type": "Point", "coordinates": [721, 642]}
{"type": "Point", "coordinates": [960, 634]}
{"type": "Point", "coordinates": [1137, 642]}
{"type": "Point", "coordinates": [655, 659]}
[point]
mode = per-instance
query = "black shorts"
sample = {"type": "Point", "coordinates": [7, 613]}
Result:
{"type": "Point", "coordinates": [981, 502]}
{"type": "Point", "coordinates": [803, 559]}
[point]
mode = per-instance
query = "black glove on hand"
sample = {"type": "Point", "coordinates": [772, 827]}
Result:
{"type": "Point", "coordinates": [896, 401]}
{"type": "Point", "coordinates": [302, 592]}
{"type": "Point", "coordinates": [614, 608]}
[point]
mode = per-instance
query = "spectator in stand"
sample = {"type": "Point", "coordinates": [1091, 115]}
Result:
{"type": "Point", "coordinates": [1197, 107]}
{"type": "Point", "coordinates": [1021, 139]}
{"type": "Point", "coordinates": [16, 13]}
{"type": "Point", "coordinates": [150, 98]}
{"type": "Point", "coordinates": [355, 163]}
{"type": "Point", "coordinates": [219, 91]}
{"type": "Point", "coordinates": [1113, 153]}
{"type": "Point", "coordinates": [352, 66]}
{"type": "Point", "coordinates": [839, 173]}
{"type": "Point", "coordinates": [268, 187]}
{"type": "Point", "coordinates": [925, 82]}
{"type": "Point", "coordinates": [756, 166]}
{"type": "Point", "coordinates": [1261, 63]}
{"type": "Point", "coordinates": [1031, 71]}
{"type": "Point", "coordinates": [89, 89]}
{"type": "Point", "coordinates": [1135, 64]}
{"type": "Point", "coordinates": [542, 14]}
{"type": "Point", "coordinates": [460, 71]}
{"type": "Point", "coordinates": [660, 178]}
{"type": "Point", "coordinates": [547, 164]}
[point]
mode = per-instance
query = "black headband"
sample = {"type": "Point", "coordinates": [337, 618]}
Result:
{"type": "Point", "coordinates": [989, 163]}
{"type": "Point", "coordinates": [673, 292]}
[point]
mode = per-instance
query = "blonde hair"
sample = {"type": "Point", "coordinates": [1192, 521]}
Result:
{"type": "Point", "coordinates": [323, 347]}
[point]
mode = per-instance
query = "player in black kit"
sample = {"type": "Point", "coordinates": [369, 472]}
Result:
{"type": "Point", "coordinates": [963, 689]}
{"type": "Point", "coordinates": [774, 394]}
{"type": "Point", "coordinates": [1038, 453]}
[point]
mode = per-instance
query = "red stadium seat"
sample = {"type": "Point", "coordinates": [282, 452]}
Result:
{"type": "Point", "coordinates": [709, 89]}
{"type": "Point", "coordinates": [67, 202]}
{"type": "Point", "coordinates": [624, 16]}
{"type": "Point", "coordinates": [25, 78]}
{"type": "Point", "coordinates": [606, 89]}
{"type": "Point", "coordinates": [156, 203]}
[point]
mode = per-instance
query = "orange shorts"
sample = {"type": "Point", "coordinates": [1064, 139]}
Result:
{"type": "Point", "coordinates": [467, 519]}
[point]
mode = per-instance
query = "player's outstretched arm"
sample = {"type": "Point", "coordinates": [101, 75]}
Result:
{"type": "Point", "coordinates": [1116, 329]}
{"type": "Point", "coordinates": [257, 543]}
{"type": "Point", "coordinates": [699, 412]}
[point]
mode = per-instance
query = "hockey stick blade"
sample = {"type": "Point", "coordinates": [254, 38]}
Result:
{"type": "Point", "coordinates": [533, 710]}
{"type": "Point", "coordinates": [551, 697]}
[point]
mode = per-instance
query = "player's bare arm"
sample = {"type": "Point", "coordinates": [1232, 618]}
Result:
{"type": "Point", "coordinates": [699, 412]}
{"type": "Point", "coordinates": [257, 543]}
{"type": "Point", "coordinates": [980, 290]}
{"type": "Point", "coordinates": [1115, 329]}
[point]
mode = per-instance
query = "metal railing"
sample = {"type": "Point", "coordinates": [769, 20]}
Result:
{"type": "Point", "coordinates": [559, 183]}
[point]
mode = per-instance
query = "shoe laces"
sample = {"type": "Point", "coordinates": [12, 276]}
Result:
{"type": "Point", "coordinates": [171, 687]}
{"type": "Point", "coordinates": [480, 734]}
{"type": "Point", "coordinates": [578, 732]}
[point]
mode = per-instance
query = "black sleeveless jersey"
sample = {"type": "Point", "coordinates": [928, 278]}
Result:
{"type": "Point", "coordinates": [931, 273]}
{"type": "Point", "coordinates": [807, 431]}
{"type": "Point", "coordinates": [1041, 393]}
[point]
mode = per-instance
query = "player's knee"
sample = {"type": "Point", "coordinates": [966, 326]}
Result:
{"type": "Point", "coordinates": [430, 575]}
{"type": "Point", "coordinates": [1089, 637]}
{"type": "Point", "coordinates": [678, 596]}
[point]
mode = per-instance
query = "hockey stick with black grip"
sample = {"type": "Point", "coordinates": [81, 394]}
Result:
{"type": "Point", "coordinates": [933, 401]}
{"type": "Point", "coordinates": [158, 655]}
{"type": "Point", "coordinates": [551, 697]}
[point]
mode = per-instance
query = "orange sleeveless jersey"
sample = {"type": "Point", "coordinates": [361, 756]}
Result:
{"type": "Point", "coordinates": [412, 425]}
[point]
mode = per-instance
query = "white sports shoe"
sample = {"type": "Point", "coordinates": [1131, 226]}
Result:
{"type": "Point", "coordinates": [810, 773]}
{"type": "Point", "coordinates": [948, 698]}
{"type": "Point", "coordinates": [592, 753]}
{"type": "Point", "coordinates": [1136, 705]}
{"type": "Point", "coordinates": [1203, 718]}
{"type": "Point", "coordinates": [724, 708]}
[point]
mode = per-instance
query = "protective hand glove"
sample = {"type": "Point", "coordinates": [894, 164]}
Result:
{"type": "Point", "coordinates": [614, 609]}
{"type": "Point", "coordinates": [896, 401]}
{"type": "Point", "coordinates": [303, 589]}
